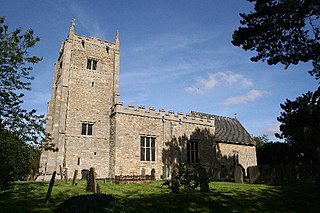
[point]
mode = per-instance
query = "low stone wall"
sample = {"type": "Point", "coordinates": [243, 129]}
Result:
{"type": "Point", "coordinates": [127, 179]}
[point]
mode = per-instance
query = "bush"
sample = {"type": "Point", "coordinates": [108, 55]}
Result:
{"type": "Point", "coordinates": [184, 177]}
{"type": "Point", "coordinates": [91, 203]}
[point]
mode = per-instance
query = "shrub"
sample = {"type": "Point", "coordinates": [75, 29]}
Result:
{"type": "Point", "coordinates": [184, 177]}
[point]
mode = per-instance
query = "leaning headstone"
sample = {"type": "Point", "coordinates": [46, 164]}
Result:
{"type": "Point", "coordinates": [61, 173]}
{"type": "Point", "coordinates": [238, 174]}
{"type": "Point", "coordinates": [50, 187]}
{"type": "Point", "coordinates": [203, 179]}
{"type": "Point", "coordinates": [253, 173]}
{"type": "Point", "coordinates": [65, 175]}
{"type": "Point", "coordinates": [74, 177]}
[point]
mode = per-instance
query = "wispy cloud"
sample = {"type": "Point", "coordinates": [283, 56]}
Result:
{"type": "Point", "coordinates": [87, 22]}
{"type": "Point", "coordinates": [205, 85]}
{"type": "Point", "coordinates": [169, 42]}
{"type": "Point", "coordinates": [251, 96]}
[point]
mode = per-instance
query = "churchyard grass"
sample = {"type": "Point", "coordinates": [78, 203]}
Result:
{"type": "Point", "coordinates": [153, 197]}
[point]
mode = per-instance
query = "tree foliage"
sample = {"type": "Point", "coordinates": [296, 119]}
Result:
{"type": "Point", "coordinates": [15, 67]}
{"type": "Point", "coordinates": [282, 31]}
{"type": "Point", "coordinates": [261, 140]}
{"type": "Point", "coordinates": [300, 124]}
{"type": "Point", "coordinates": [18, 159]}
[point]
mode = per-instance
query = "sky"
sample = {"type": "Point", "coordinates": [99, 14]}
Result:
{"type": "Point", "coordinates": [175, 54]}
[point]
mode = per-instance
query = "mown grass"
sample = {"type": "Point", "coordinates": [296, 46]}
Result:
{"type": "Point", "coordinates": [153, 197]}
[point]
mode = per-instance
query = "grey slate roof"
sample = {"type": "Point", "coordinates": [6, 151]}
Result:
{"type": "Point", "coordinates": [228, 130]}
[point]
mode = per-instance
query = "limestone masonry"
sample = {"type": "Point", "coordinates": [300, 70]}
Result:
{"type": "Point", "coordinates": [91, 127]}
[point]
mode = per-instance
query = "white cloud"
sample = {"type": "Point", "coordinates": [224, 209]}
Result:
{"type": "Point", "coordinates": [204, 86]}
{"type": "Point", "coordinates": [233, 78]}
{"type": "Point", "coordinates": [251, 96]}
{"type": "Point", "coordinates": [271, 129]}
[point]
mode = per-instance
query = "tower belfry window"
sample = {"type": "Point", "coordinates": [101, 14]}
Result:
{"type": "Point", "coordinates": [92, 64]}
{"type": "Point", "coordinates": [86, 129]}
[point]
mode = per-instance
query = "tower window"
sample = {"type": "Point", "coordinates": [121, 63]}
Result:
{"type": "Point", "coordinates": [92, 64]}
{"type": "Point", "coordinates": [147, 148]}
{"type": "Point", "coordinates": [86, 129]}
{"type": "Point", "coordinates": [193, 151]}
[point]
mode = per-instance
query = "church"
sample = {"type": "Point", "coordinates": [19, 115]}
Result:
{"type": "Point", "coordinates": [91, 127]}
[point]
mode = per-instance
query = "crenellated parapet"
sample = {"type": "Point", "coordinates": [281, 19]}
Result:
{"type": "Point", "coordinates": [163, 115]}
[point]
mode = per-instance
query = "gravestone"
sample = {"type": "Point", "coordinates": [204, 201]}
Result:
{"type": "Point", "coordinates": [74, 177]}
{"type": "Point", "coordinates": [175, 182]}
{"type": "Point", "coordinates": [253, 173]}
{"type": "Point", "coordinates": [224, 172]}
{"type": "Point", "coordinates": [203, 179]}
{"type": "Point", "coordinates": [143, 171]}
{"type": "Point", "coordinates": [153, 173]}
{"type": "Point", "coordinates": [84, 174]}
{"type": "Point", "coordinates": [50, 187]}
{"type": "Point", "coordinates": [238, 174]}
{"type": "Point", "coordinates": [268, 174]}
{"type": "Point", "coordinates": [91, 181]}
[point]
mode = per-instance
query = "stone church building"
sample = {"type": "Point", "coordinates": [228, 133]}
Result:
{"type": "Point", "coordinates": [92, 128]}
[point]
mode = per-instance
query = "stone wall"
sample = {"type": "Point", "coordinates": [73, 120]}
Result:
{"type": "Point", "coordinates": [245, 155]}
{"type": "Point", "coordinates": [172, 131]}
{"type": "Point", "coordinates": [82, 95]}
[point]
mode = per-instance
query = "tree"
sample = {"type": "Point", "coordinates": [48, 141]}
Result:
{"type": "Point", "coordinates": [300, 124]}
{"type": "Point", "coordinates": [282, 31]}
{"type": "Point", "coordinates": [261, 140]}
{"type": "Point", "coordinates": [18, 159]}
{"type": "Point", "coordinates": [15, 67]}
{"type": "Point", "coordinates": [20, 129]}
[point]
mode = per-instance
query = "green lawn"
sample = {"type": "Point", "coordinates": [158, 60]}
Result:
{"type": "Point", "coordinates": [152, 197]}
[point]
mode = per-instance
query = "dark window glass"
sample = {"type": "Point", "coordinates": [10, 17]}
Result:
{"type": "Point", "coordinates": [89, 62]}
{"type": "Point", "coordinates": [94, 65]}
{"type": "Point", "coordinates": [193, 151]}
{"type": "Point", "coordinates": [142, 154]}
{"type": "Point", "coordinates": [148, 142]}
{"type": "Point", "coordinates": [90, 129]}
{"type": "Point", "coordinates": [84, 129]}
{"type": "Point", "coordinates": [147, 154]}
{"type": "Point", "coordinates": [153, 142]}
{"type": "Point", "coordinates": [153, 154]}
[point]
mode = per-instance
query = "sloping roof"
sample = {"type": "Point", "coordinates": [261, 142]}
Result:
{"type": "Point", "coordinates": [228, 130]}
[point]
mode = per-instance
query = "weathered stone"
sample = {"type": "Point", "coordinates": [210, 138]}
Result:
{"type": "Point", "coordinates": [203, 179]}
{"type": "Point", "coordinates": [238, 174]}
{"type": "Point", "coordinates": [253, 173]}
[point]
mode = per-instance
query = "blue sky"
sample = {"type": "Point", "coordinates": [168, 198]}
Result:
{"type": "Point", "coordinates": [175, 54]}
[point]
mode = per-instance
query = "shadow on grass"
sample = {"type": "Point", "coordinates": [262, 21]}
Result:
{"type": "Point", "coordinates": [223, 197]}
{"type": "Point", "coordinates": [213, 201]}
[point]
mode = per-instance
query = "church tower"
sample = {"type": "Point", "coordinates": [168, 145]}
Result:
{"type": "Point", "coordinates": [84, 89]}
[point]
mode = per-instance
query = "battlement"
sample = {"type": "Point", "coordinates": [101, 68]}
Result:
{"type": "Point", "coordinates": [169, 115]}
{"type": "Point", "coordinates": [92, 40]}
